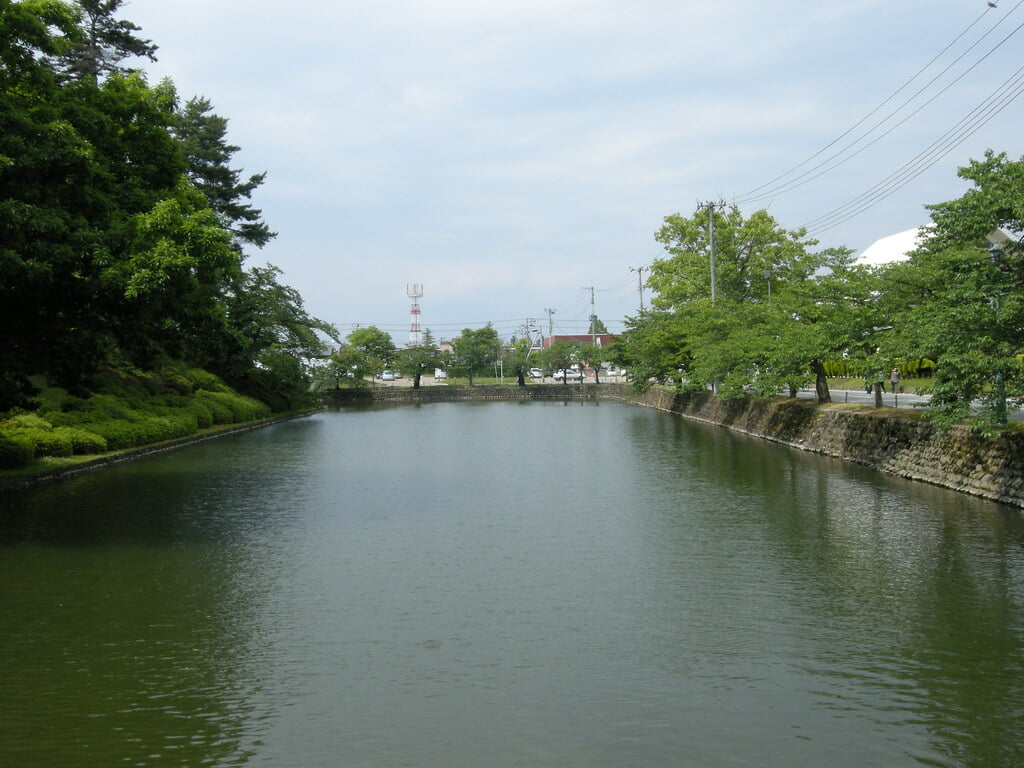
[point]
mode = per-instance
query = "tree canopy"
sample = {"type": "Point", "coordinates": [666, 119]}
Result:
{"type": "Point", "coordinates": [474, 351]}
{"type": "Point", "coordinates": [122, 225]}
{"type": "Point", "coordinates": [958, 299]}
{"type": "Point", "coordinates": [762, 323]}
{"type": "Point", "coordinates": [783, 308]}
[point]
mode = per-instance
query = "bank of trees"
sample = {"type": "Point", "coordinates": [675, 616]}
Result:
{"type": "Point", "coordinates": [783, 306]}
{"type": "Point", "coordinates": [123, 226]}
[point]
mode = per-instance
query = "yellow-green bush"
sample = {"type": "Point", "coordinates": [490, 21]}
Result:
{"type": "Point", "coordinates": [205, 380]}
{"type": "Point", "coordinates": [229, 408]}
{"type": "Point", "coordinates": [82, 441]}
{"type": "Point", "coordinates": [134, 409]}
{"type": "Point", "coordinates": [14, 454]}
{"type": "Point", "coordinates": [43, 442]}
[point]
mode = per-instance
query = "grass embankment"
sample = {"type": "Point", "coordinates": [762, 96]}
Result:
{"type": "Point", "coordinates": [129, 410]}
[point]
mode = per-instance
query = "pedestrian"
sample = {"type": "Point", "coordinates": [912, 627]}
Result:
{"type": "Point", "coordinates": [894, 379]}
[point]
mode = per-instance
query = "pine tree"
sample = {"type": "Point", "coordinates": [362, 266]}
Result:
{"type": "Point", "coordinates": [106, 42]}
{"type": "Point", "coordinates": [202, 135]}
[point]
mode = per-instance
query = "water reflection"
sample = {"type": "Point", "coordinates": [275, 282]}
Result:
{"type": "Point", "coordinates": [508, 584]}
{"type": "Point", "coordinates": [128, 602]}
{"type": "Point", "coordinates": [882, 584]}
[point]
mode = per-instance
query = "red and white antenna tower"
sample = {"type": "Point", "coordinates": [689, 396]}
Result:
{"type": "Point", "coordinates": [414, 291]}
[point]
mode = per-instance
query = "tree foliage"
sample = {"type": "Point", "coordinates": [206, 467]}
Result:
{"type": "Point", "coordinates": [771, 320]}
{"type": "Point", "coordinates": [561, 355]}
{"type": "Point", "coordinates": [104, 42]}
{"type": "Point", "coordinates": [202, 135]}
{"type": "Point", "coordinates": [474, 351]}
{"type": "Point", "coordinates": [959, 301]}
{"type": "Point", "coordinates": [783, 308]}
{"type": "Point", "coordinates": [517, 362]}
{"type": "Point", "coordinates": [418, 360]}
{"type": "Point", "coordinates": [114, 243]}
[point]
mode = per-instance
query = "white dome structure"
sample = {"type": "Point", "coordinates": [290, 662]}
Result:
{"type": "Point", "coordinates": [890, 249]}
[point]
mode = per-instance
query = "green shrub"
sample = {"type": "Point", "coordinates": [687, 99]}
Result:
{"type": "Point", "coordinates": [205, 380]}
{"type": "Point", "coordinates": [67, 419]}
{"type": "Point", "coordinates": [220, 411]}
{"type": "Point", "coordinates": [118, 434]}
{"type": "Point", "coordinates": [204, 417]}
{"type": "Point", "coordinates": [25, 421]}
{"type": "Point", "coordinates": [104, 407]}
{"type": "Point", "coordinates": [14, 454]}
{"type": "Point", "coordinates": [177, 381]}
{"type": "Point", "coordinates": [155, 429]}
{"type": "Point", "coordinates": [43, 442]}
{"type": "Point", "coordinates": [230, 408]}
{"type": "Point", "coordinates": [83, 441]}
{"type": "Point", "coordinates": [183, 419]}
{"type": "Point", "coordinates": [72, 403]}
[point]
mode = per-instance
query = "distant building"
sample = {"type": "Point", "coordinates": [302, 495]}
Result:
{"type": "Point", "coordinates": [890, 249]}
{"type": "Point", "coordinates": [896, 248]}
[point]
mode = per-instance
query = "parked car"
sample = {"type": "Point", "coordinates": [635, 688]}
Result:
{"type": "Point", "coordinates": [536, 373]}
{"type": "Point", "coordinates": [387, 376]}
{"type": "Point", "coordinates": [567, 375]}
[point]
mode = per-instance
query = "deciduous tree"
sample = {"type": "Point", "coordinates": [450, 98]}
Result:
{"type": "Point", "coordinates": [474, 351]}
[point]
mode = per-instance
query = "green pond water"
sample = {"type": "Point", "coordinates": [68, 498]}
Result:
{"type": "Point", "coordinates": [507, 584]}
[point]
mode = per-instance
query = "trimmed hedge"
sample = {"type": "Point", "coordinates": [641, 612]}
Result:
{"type": "Point", "coordinates": [42, 442]}
{"type": "Point", "coordinates": [83, 441]}
{"type": "Point", "coordinates": [853, 368]}
{"type": "Point", "coordinates": [14, 454]}
{"type": "Point", "coordinates": [135, 410]}
{"type": "Point", "coordinates": [229, 408]}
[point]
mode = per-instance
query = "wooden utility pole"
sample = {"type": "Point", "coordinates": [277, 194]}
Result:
{"type": "Point", "coordinates": [640, 282]}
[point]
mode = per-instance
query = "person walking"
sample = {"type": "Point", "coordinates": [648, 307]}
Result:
{"type": "Point", "coordinates": [894, 379]}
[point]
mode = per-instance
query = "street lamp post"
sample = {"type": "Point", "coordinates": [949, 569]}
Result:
{"type": "Point", "coordinates": [996, 253]}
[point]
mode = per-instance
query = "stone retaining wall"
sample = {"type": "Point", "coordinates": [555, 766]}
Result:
{"type": "Point", "coordinates": [959, 459]}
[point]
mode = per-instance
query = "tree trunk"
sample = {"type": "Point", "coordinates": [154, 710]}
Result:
{"type": "Point", "coordinates": [878, 394]}
{"type": "Point", "coordinates": [416, 381]}
{"type": "Point", "coordinates": [521, 379]}
{"type": "Point", "coordinates": [821, 382]}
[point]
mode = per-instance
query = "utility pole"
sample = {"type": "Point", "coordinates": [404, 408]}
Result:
{"type": "Point", "coordinates": [593, 315]}
{"type": "Point", "coordinates": [551, 325]}
{"type": "Point", "coordinates": [640, 282]}
{"type": "Point", "coordinates": [711, 246]}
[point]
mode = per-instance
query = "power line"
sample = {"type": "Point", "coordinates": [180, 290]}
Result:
{"type": "Point", "coordinates": [995, 103]}
{"type": "Point", "coordinates": [810, 175]}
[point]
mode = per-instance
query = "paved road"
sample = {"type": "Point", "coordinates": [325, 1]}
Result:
{"type": "Point", "coordinates": [902, 400]}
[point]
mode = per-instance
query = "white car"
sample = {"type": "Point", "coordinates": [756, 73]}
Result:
{"type": "Point", "coordinates": [536, 373]}
{"type": "Point", "coordinates": [568, 375]}
{"type": "Point", "coordinates": [387, 376]}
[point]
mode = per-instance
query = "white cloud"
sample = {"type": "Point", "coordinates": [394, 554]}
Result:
{"type": "Point", "coordinates": [507, 154]}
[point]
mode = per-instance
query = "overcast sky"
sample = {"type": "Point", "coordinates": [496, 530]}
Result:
{"type": "Point", "coordinates": [509, 156]}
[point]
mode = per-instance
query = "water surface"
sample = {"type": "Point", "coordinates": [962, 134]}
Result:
{"type": "Point", "coordinates": [507, 584]}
